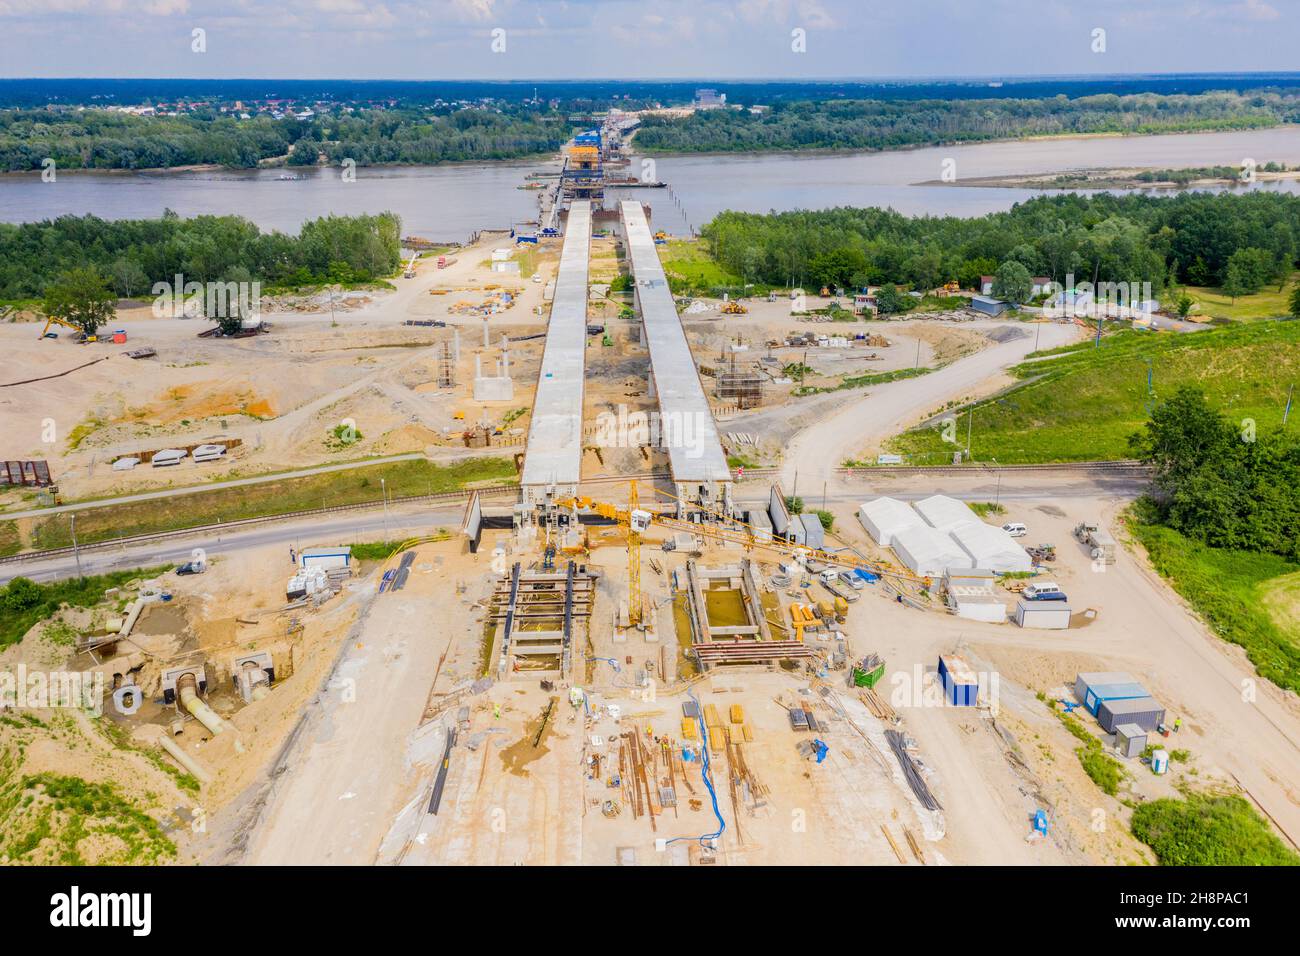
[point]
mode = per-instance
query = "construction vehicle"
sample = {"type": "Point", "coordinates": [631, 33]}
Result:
{"type": "Point", "coordinates": [409, 271]}
{"type": "Point", "coordinates": [732, 307]}
{"type": "Point", "coordinates": [1100, 544]}
{"type": "Point", "coordinates": [80, 337]}
{"type": "Point", "coordinates": [661, 238]}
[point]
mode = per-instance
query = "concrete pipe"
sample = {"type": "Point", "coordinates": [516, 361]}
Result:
{"type": "Point", "coordinates": [184, 759]}
{"type": "Point", "coordinates": [187, 689]}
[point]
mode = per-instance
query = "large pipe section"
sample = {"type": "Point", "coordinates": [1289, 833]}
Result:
{"type": "Point", "coordinates": [187, 689]}
{"type": "Point", "coordinates": [184, 759]}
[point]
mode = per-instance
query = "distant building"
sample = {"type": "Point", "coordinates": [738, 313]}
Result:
{"type": "Point", "coordinates": [986, 285]}
{"type": "Point", "coordinates": [709, 99]}
{"type": "Point", "coordinates": [1039, 285]}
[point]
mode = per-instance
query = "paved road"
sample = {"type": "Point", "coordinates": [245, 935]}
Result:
{"type": "Point", "coordinates": [403, 522]}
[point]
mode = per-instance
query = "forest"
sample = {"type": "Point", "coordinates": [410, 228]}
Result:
{"type": "Point", "coordinates": [132, 254]}
{"type": "Point", "coordinates": [103, 139]}
{"type": "Point", "coordinates": [1193, 238]}
{"type": "Point", "coordinates": [891, 124]}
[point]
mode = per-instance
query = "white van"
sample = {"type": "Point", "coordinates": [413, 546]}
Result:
{"type": "Point", "coordinates": [209, 452]}
{"type": "Point", "coordinates": [168, 456]}
{"type": "Point", "coordinates": [1015, 529]}
{"type": "Point", "coordinates": [1044, 591]}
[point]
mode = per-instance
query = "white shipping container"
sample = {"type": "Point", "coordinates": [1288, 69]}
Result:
{"type": "Point", "coordinates": [1043, 615]}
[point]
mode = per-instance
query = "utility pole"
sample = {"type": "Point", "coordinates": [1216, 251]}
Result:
{"type": "Point", "coordinates": [918, 354]}
{"type": "Point", "coordinates": [383, 487]}
{"type": "Point", "coordinates": [1037, 332]}
{"type": "Point", "coordinates": [1286, 413]}
{"type": "Point", "coordinates": [75, 553]}
{"type": "Point", "coordinates": [969, 423]}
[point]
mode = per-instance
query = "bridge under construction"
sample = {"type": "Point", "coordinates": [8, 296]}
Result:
{"type": "Point", "coordinates": [553, 461]}
{"type": "Point", "coordinates": [699, 469]}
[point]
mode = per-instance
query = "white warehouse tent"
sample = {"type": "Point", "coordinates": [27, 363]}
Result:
{"type": "Point", "coordinates": [929, 552]}
{"type": "Point", "coordinates": [944, 513]}
{"type": "Point", "coordinates": [990, 547]}
{"type": "Point", "coordinates": [885, 517]}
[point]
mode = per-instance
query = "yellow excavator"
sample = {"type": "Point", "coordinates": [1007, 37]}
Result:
{"type": "Point", "coordinates": [54, 320]}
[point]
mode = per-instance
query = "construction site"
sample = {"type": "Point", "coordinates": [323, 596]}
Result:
{"type": "Point", "coordinates": [672, 628]}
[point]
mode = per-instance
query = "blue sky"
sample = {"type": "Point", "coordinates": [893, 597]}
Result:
{"type": "Point", "coordinates": [452, 39]}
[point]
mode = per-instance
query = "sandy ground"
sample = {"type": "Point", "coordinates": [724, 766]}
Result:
{"type": "Point", "coordinates": [281, 394]}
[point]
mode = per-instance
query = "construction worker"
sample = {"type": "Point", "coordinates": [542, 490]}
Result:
{"type": "Point", "coordinates": [1178, 724]}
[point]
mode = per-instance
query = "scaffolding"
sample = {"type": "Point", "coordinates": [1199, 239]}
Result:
{"type": "Point", "coordinates": [446, 366]}
{"type": "Point", "coordinates": [742, 387]}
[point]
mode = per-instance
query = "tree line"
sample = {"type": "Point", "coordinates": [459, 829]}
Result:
{"type": "Point", "coordinates": [1201, 239]}
{"type": "Point", "coordinates": [890, 124]}
{"type": "Point", "coordinates": [130, 255]}
{"type": "Point", "coordinates": [100, 139]}
{"type": "Point", "coordinates": [1220, 482]}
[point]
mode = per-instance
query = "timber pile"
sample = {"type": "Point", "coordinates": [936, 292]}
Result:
{"type": "Point", "coordinates": [877, 704]}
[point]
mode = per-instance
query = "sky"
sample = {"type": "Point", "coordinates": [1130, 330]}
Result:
{"type": "Point", "coordinates": [635, 39]}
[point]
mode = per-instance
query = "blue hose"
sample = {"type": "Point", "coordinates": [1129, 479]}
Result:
{"type": "Point", "coordinates": [706, 838]}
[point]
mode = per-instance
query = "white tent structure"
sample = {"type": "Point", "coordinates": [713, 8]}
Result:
{"type": "Point", "coordinates": [990, 547]}
{"type": "Point", "coordinates": [885, 517]}
{"type": "Point", "coordinates": [929, 552]}
{"type": "Point", "coordinates": [944, 513]}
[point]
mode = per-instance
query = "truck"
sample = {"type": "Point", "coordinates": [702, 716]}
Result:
{"type": "Point", "coordinates": [1100, 544]}
{"type": "Point", "coordinates": [444, 262]}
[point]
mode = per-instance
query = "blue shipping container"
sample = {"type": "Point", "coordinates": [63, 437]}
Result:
{"type": "Point", "coordinates": [960, 688]}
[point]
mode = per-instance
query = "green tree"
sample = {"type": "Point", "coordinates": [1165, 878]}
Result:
{"type": "Point", "coordinates": [82, 298]}
{"type": "Point", "coordinates": [1184, 305]}
{"type": "Point", "coordinates": [1295, 301]}
{"type": "Point", "coordinates": [1012, 282]}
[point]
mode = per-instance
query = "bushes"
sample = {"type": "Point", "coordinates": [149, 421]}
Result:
{"type": "Point", "coordinates": [1209, 830]}
{"type": "Point", "coordinates": [24, 603]}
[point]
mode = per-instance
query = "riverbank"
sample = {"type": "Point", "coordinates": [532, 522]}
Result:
{"type": "Point", "coordinates": [1113, 178]}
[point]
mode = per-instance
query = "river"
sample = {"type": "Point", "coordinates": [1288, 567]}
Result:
{"type": "Point", "coordinates": [450, 202]}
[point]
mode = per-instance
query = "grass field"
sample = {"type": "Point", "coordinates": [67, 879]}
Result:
{"type": "Point", "coordinates": [1209, 830]}
{"type": "Point", "coordinates": [1268, 303]}
{"type": "Point", "coordinates": [403, 478]}
{"type": "Point", "coordinates": [1248, 599]}
{"type": "Point", "coordinates": [1084, 402]}
{"type": "Point", "coordinates": [690, 268]}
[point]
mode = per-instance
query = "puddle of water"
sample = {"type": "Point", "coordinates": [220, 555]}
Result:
{"type": "Point", "coordinates": [521, 753]}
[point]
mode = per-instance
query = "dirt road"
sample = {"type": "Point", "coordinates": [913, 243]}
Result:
{"type": "Point", "coordinates": [888, 409]}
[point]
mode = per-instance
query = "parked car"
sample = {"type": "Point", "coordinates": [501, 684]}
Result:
{"type": "Point", "coordinates": [1043, 591]}
{"type": "Point", "coordinates": [192, 567]}
{"type": "Point", "coordinates": [852, 580]}
{"type": "Point", "coordinates": [1015, 529]}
